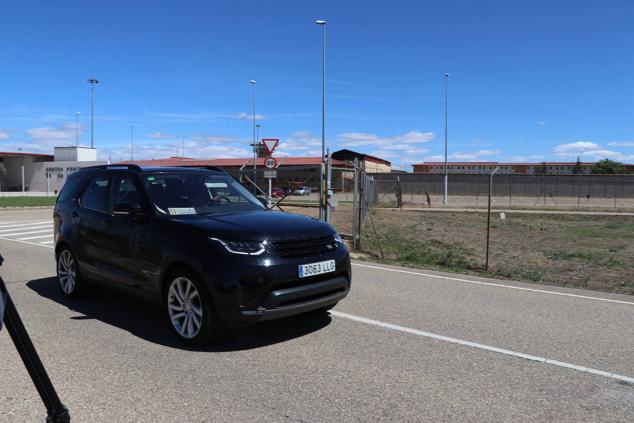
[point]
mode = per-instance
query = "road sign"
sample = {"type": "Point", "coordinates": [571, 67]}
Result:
{"type": "Point", "coordinates": [270, 144]}
{"type": "Point", "coordinates": [270, 162]}
{"type": "Point", "coordinates": [270, 174]}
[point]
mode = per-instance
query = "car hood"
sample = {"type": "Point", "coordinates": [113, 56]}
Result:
{"type": "Point", "coordinates": [256, 226]}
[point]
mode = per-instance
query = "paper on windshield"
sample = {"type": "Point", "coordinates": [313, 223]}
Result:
{"type": "Point", "coordinates": [181, 210]}
{"type": "Point", "coordinates": [216, 184]}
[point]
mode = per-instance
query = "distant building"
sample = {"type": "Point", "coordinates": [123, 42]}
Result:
{"type": "Point", "coordinates": [291, 170]}
{"type": "Point", "coordinates": [550, 168]}
{"type": "Point", "coordinates": [369, 164]}
{"type": "Point", "coordinates": [44, 171]}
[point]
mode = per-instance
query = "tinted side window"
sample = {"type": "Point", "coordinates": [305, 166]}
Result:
{"type": "Point", "coordinates": [124, 192]}
{"type": "Point", "coordinates": [71, 186]}
{"type": "Point", "coordinates": [95, 194]}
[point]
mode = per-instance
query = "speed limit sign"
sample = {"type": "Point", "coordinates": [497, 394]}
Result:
{"type": "Point", "coordinates": [270, 163]}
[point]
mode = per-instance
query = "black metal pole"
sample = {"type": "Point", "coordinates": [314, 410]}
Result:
{"type": "Point", "coordinates": [56, 411]}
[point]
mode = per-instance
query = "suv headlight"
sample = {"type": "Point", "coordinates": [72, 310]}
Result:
{"type": "Point", "coordinates": [249, 248]}
{"type": "Point", "coordinates": [338, 238]}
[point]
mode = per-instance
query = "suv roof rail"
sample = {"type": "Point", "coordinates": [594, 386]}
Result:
{"type": "Point", "coordinates": [216, 168]}
{"type": "Point", "coordinates": [134, 167]}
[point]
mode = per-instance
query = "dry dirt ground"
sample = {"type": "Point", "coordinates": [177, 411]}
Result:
{"type": "Point", "coordinates": [588, 251]}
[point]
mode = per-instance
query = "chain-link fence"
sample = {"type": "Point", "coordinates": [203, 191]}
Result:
{"type": "Point", "coordinates": [512, 191]}
{"type": "Point", "coordinates": [559, 230]}
{"type": "Point", "coordinates": [588, 242]}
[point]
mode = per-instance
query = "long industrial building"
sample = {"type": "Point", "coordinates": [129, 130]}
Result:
{"type": "Point", "coordinates": [549, 168]}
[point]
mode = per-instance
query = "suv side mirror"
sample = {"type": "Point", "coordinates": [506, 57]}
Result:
{"type": "Point", "coordinates": [128, 208]}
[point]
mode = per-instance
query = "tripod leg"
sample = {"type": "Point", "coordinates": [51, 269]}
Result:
{"type": "Point", "coordinates": [57, 412]}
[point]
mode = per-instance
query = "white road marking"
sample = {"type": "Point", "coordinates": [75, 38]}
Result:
{"type": "Point", "coordinates": [616, 376]}
{"type": "Point", "coordinates": [35, 237]}
{"type": "Point", "coordinates": [498, 285]}
{"type": "Point", "coordinates": [24, 224]}
{"type": "Point", "coordinates": [22, 228]}
{"type": "Point", "coordinates": [47, 242]}
{"type": "Point", "coordinates": [26, 242]}
{"type": "Point", "coordinates": [49, 230]}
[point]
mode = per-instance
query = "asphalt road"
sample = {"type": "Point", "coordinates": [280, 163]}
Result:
{"type": "Point", "coordinates": [406, 345]}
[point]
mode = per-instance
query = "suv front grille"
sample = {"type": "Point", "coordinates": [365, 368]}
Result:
{"type": "Point", "coordinates": [304, 247]}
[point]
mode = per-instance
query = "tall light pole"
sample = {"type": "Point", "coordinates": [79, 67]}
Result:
{"type": "Point", "coordinates": [322, 214]}
{"type": "Point", "coordinates": [184, 145]}
{"type": "Point", "coordinates": [77, 128]}
{"type": "Point", "coordinates": [131, 142]}
{"type": "Point", "coordinates": [444, 199]}
{"type": "Point", "coordinates": [257, 132]}
{"type": "Point", "coordinates": [22, 166]}
{"type": "Point", "coordinates": [92, 83]}
{"type": "Point", "coordinates": [255, 156]}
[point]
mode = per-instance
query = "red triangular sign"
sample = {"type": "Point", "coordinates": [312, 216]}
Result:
{"type": "Point", "coordinates": [270, 144]}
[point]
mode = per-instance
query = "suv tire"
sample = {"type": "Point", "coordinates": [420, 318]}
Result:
{"type": "Point", "coordinates": [69, 280]}
{"type": "Point", "coordinates": [190, 309]}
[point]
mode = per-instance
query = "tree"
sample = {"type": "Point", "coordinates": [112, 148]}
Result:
{"type": "Point", "coordinates": [577, 169]}
{"type": "Point", "coordinates": [608, 167]}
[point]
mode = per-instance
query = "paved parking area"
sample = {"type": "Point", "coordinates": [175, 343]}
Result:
{"type": "Point", "coordinates": [31, 231]}
{"type": "Point", "coordinates": [406, 345]}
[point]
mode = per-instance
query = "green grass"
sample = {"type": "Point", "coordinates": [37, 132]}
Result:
{"type": "Point", "coordinates": [26, 201]}
{"type": "Point", "coordinates": [432, 253]}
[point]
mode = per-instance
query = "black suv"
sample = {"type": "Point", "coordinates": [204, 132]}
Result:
{"type": "Point", "coordinates": [197, 242]}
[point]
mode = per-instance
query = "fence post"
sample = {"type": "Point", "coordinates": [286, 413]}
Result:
{"type": "Point", "coordinates": [356, 207]}
{"type": "Point", "coordinates": [486, 262]}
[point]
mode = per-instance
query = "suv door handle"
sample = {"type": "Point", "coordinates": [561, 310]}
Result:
{"type": "Point", "coordinates": [107, 223]}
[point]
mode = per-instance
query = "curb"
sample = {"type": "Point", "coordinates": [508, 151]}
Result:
{"type": "Point", "coordinates": [26, 207]}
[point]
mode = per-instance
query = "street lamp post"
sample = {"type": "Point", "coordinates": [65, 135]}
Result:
{"type": "Point", "coordinates": [22, 167]}
{"type": "Point", "coordinates": [184, 145]}
{"type": "Point", "coordinates": [77, 141]}
{"type": "Point", "coordinates": [255, 156]}
{"type": "Point", "coordinates": [131, 142]}
{"type": "Point", "coordinates": [322, 213]}
{"type": "Point", "coordinates": [92, 83]}
{"type": "Point", "coordinates": [77, 129]}
{"type": "Point", "coordinates": [444, 199]}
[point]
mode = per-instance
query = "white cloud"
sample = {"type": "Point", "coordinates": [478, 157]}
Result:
{"type": "Point", "coordinates": [356, 139]}
{"type": "Point", "coordinates": [159, 135]}
{"type": "Point", "coordinates": [588, 150]}
{"type": "Point", "coordinates": [199, 148]}
{"type": "Point", "coordinates": [542, 123]}
{"type": "Point", "coordinates": [63, 132]}
{"type": "Point", "coordinates": [621, 143]}
{"type": "Point", "coordinates": [400, 148]}
{"type": "Point", "coordinates": [576, 148]}
{"type": "Point", "coordinates": [529, 158]}
{"type": "Point", "coordinates": [247, 116]}
{"type": "Point", "coordinates": [4, 135]}
{"type": "Point", "coordinates": [474, 155]}
{"type": "Point", "coordinates": [299, 143]}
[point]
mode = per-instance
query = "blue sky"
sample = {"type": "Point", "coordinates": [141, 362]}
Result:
{"type": "Point", "coordinates": [530, 81]}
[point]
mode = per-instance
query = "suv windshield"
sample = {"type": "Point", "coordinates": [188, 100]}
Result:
{"type": "Point", "coordinates": [198, 193]}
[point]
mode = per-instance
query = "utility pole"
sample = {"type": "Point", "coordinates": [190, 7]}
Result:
{"type": "Point", "coordinates": [445, 199]}
{"type": "Point", "coordinates": [255, 155]}
{"type": "Point", "coordinates": [322, 196]}
{"type": "Point", "coordinates": [132, 142]}
{"type": "Point", "coordinates": [92, 83]}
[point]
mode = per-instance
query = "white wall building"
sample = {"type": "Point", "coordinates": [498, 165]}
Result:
{"type": "Point", "coordinates": [43, 173]}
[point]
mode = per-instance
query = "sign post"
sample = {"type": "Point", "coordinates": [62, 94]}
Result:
{"type": "Point", "coordinates": [270, 163]}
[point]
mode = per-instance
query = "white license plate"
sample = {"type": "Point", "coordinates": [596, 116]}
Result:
{"type": "Point", "coordinates": [313, 269]}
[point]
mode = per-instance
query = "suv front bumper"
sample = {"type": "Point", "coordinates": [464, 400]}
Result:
{"type": "Point", "coordinates": [300, 299]}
